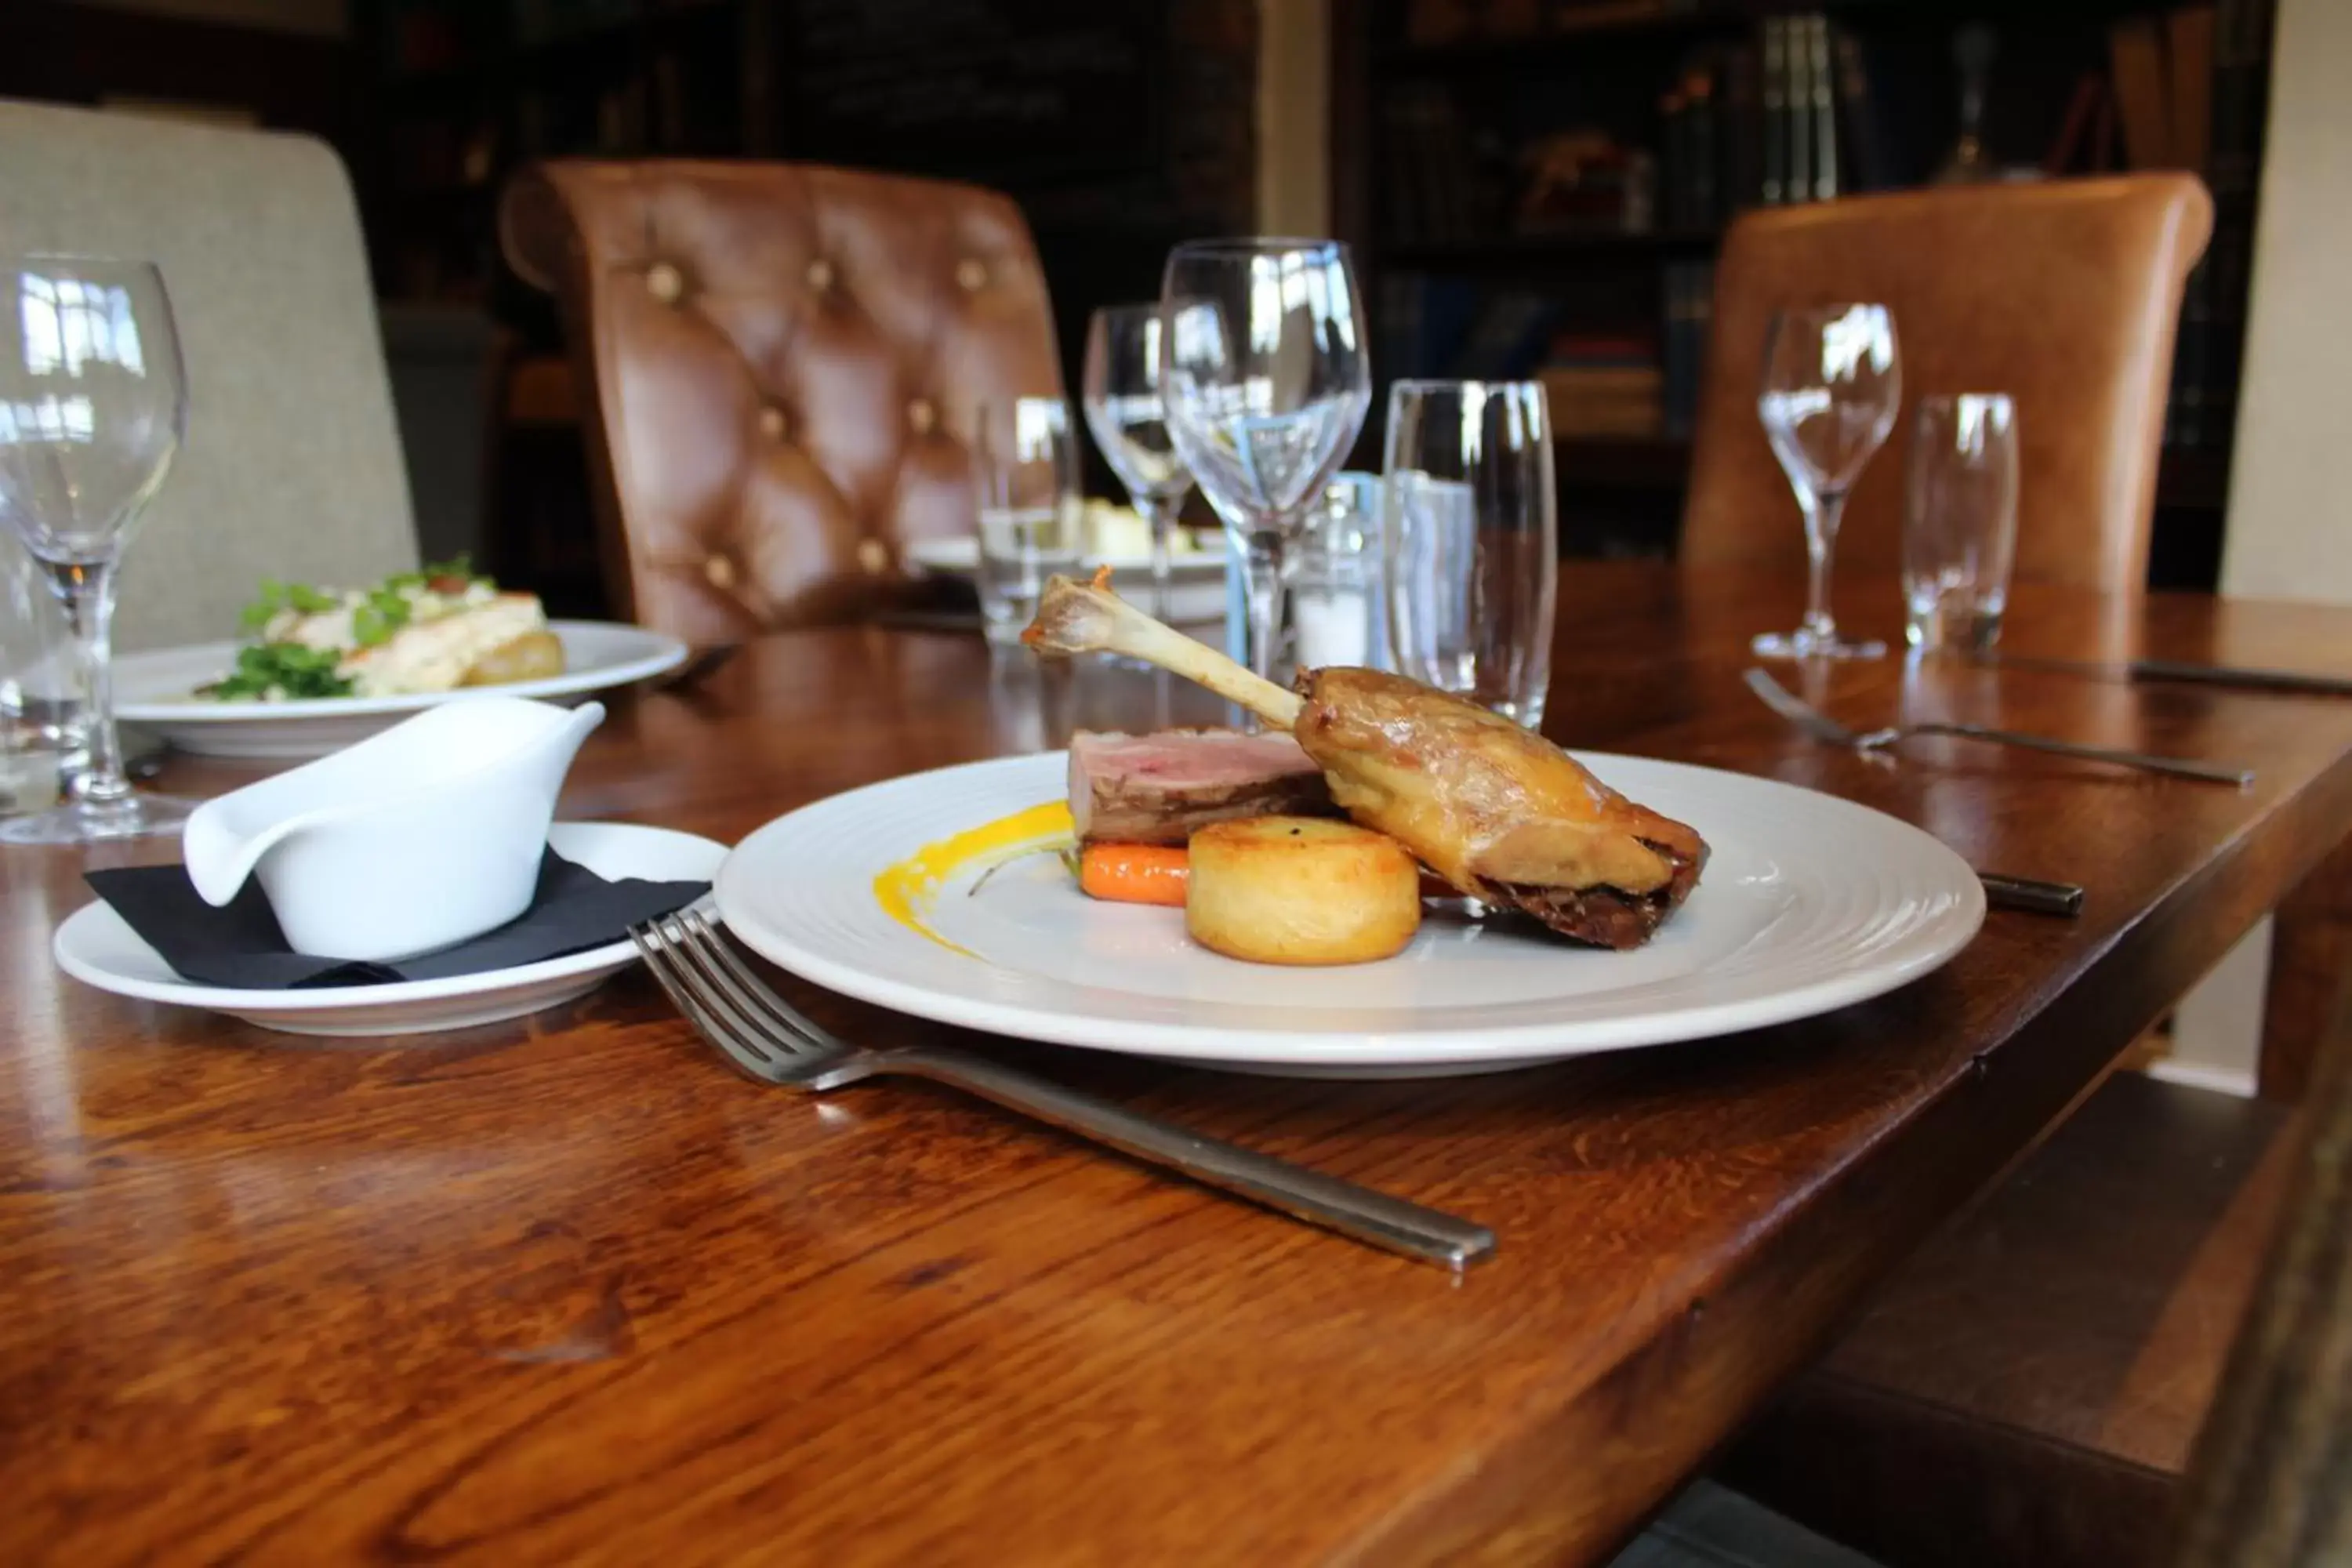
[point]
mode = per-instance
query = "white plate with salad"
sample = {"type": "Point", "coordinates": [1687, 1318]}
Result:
{"type": "Point", "coordinates": [318, 668]}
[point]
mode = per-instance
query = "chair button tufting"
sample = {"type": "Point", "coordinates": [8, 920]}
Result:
{"type": "Point", "coordinates": [922, 415]}
{"type": "Point", "coordinates": [874, 556]}
{"type": "Point", "coordinates": [720, 571]}
{"type": "Point", "coordinates": [772, 423]}
{"type": "Point", "coordinates": [820, 274]}
{"type": "Point", "coordinates": [971, 273]}
{"type": "Point", "coordinates": [665, 282]}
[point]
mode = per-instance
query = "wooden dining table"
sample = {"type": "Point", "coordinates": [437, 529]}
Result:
{"type": "Point", "coordinates": [569, 1290]}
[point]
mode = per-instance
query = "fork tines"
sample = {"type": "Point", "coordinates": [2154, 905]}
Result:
{"type": "Point", "coordinates": [761, 1032]}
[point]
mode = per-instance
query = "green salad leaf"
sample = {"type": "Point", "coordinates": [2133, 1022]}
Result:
{"type": "Point", "coordinates": [385, 612]}
{"type": "Point", "coordinates": [286, 668]}
{"type": "Point", "coordinates": [275, 596]}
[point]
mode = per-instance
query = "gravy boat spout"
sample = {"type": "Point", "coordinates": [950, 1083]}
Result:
{"type": "Point", "coordinates": [413, 839]}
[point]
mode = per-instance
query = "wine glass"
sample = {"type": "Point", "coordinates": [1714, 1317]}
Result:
{"type": "Point", "coordinates": [1832, 386]}
{"type": "Point", "coordinates": [1121, 396]}
{"type": "Point", "coordinates": [1265, 379]}
{"type": "Point", "coordinates": [92, 407]}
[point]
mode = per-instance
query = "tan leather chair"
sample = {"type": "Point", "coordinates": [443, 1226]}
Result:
{"type": "Point", "coordinates": [2063, 294]}
{"type": "Point", "coordinates": [782, 365]}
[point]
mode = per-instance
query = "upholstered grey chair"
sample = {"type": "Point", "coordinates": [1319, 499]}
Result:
{"type": "Point", "coordinates": [292, 464]}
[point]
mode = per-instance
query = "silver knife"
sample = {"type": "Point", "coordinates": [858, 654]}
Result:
{"type": "Point", "coordinates": [2177, 670]}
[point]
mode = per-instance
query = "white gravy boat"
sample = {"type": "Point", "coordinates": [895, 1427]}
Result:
{"type": "Point", "coordinates": [410, 840]}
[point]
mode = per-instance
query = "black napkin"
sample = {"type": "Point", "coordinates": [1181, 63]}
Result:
{"type": "Point", "coordinates": [240, 947]}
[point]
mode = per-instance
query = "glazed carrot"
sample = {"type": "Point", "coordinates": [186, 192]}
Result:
{"type": "Point", "coordinates": [1156, 874]}
{"type": "Point", "coordinates": [1134, 873]}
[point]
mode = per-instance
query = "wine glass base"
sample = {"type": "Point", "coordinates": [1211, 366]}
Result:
{"type": "Point", "coordinates": [140, 817]}
{"type": "Point", "coordinates": [1803, 644]}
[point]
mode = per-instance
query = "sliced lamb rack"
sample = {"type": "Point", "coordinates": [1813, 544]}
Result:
{"type": "Point", "coordinates": [1497, 811]}
{"type": "Point", "coordinates": [1158, 788]}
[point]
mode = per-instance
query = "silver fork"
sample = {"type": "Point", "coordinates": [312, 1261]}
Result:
{"type": "Point", "coordinates": [767, 1038]}
{"type": "Point", "coordinates": [1822, 727]}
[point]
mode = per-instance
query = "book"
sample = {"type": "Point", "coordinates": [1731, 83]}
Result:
{"type": "Point", "coordinates": [1860, 132]}
{"type": "Point", "coordinates": [1739, 160]}
{"type": "Point", "coordinates": [1797, 96]}
{"type": "Point", "coordinates": [1688, 304]}
{"type": "Point", "coordinates": [1508, 338]}
{"type": "Point", "coordinates": [2136, 60]}
{"type": "Point", "coordinates": [1773, 80]}
{"type": "Point", "coordinates": [1823, 103]}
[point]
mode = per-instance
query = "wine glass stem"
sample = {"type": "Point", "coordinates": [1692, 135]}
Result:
{"type": "Point", "coordinates": [87, 594]}
{"type": "Point", "coordinates": [1262, 588]}
{"type": "Point", "coordinates": [1160, 512]}
{"type": "Point", "coordinates": [1820, 541]}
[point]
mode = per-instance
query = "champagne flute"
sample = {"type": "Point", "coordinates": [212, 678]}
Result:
{"type": "Point", "coordinates": [1832, 386]}
{"type": "Point", "coordinates": [1121, 396]}
{"type": "Point", "coordinates": [1265, 379]}
{"type": "Point", "coordinates": [92, 407]}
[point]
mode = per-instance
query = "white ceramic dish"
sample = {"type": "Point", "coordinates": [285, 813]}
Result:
{"type": "Point", "coordinates": [156, 691]}
{"type": "Point", "coordinates": [1809, 903]}
{"type": "Point", "coordinates": [98, 949]}
{"type": "Point", "coordinates": [441, 818]}
{"type": "Point", "coordinates": [1196, 583]}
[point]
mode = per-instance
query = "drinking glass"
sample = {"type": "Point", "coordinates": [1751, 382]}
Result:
{"type": "Point", "coordinates": [41, 740]}
{"type": "Point", "coordinates": [1959, 521]}
{"type": "Point", "coordinates": [1472, 541]}
{"type": "Point", "coordinates": [92, 407]}
{"type": "Point", "coordinates": [1265, 378]}
{"type": "Point", "coordinates": [1031, 521]}
{"type": "Point", "coordinates": [1121, 398]}
{"type": "Point", "coordinates": [1832, 386]}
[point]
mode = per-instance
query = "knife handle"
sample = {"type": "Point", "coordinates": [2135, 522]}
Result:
{"type": "Point", "coordinates": [2064, 898]}
{"type": "Point", "coordinates": [2257, 680]}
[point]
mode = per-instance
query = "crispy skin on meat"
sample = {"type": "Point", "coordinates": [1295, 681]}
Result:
{"type": "Point", "coordinates": [1495, 809]}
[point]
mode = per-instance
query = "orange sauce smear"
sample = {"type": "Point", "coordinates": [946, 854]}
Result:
{"type": "Point", "coordinates": [909, 890]}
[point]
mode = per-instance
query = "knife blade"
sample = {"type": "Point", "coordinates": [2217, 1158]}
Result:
{"type": "Point", "coordinates": [2241, 677]}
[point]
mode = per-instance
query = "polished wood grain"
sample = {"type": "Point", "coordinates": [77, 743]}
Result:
{"type": "Point", "coordinates": [567, 1291]}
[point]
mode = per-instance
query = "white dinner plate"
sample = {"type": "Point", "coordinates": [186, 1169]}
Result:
{"type": "Point", "coordinates": [157, 691]}
{"type": "Point", "coordinates": [97, 947]}
{"type": "Point", "coordinates": [1196, 582]}
{"type": "Point", "coordinates": [1807, 903]}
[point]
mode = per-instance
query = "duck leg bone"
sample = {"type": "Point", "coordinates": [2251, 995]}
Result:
{"type": "Point", "coordinates": [1082, 617]}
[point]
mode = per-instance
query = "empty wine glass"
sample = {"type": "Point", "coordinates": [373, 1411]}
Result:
{"type": "Point", "coordinates": [1832, 386]}
{"type": "Point", "coordinates": [1265, 378]}
{"type": "Point", "coordinates": [92, 407]}
{"type": "Point", "coordinates": [1121, 396]}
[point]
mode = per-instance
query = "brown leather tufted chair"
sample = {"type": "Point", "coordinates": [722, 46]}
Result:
{"type": "Point", "coordinates": [2063, 294]}
{"type": "Point", "coordinates": [782, 365]}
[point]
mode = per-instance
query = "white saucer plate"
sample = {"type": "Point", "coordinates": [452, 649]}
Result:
{"type": "Point", "coordinates": [1196, 582]}
{"type": "Point", "coordinates": [1807, 903]}
{"type": "Point", "coordinates": [96, 947]}
{"type": "Point", "coordinates": [157, 691]}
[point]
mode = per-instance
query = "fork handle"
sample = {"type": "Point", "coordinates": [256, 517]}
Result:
{"type": "Point", "coordinates": [2172, 765]}
{"type": "Point", "coordinates": [1318, 1199]}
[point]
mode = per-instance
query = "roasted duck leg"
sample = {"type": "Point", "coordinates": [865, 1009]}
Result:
{"type": "Point", "coordinates": [1496, 810]}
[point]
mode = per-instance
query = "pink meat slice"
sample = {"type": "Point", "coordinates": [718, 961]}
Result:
{"type": "Point", "coordinates": [1160, 788]}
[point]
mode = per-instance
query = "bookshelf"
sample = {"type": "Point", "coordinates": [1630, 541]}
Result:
{"type": "Point", "coordinates": [1538, 187]}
